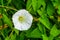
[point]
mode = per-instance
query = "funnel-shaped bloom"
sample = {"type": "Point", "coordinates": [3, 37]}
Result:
{"type": "Point", "coordinates": [22, 20]}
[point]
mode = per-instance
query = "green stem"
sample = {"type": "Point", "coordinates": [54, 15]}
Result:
{"type": "Point", "coordinates": [8, 7]}
{"type": "Point", "coordinates": [11, 33]}
{"type": "Point", "coordinates": [2, 34]}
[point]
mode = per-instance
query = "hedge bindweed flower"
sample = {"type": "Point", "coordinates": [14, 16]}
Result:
{"type": "Point", "coordinates": [22, 20]}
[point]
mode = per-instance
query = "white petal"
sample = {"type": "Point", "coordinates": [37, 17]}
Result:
{"type": "Point", "coordinates": [25, 25]}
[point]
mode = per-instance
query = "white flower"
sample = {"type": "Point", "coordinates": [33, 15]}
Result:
{"type": "Point", "coordinates": [22, 20]}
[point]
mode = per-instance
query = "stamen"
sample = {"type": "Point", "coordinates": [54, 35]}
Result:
{"type": "Point", "coordinates": [21, 18]}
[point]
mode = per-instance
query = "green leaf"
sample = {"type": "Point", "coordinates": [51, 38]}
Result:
{"type": "Point", "coordinates": [38, 3]}
{"type": "Point", "coordinates": [7, 38]}
{"type": "Point", "coordinates": [58, 10]}
{"type": "Point", "coordinates": [41, 28]}
{"type": "Point", "coordinates": [34, 4]}
{"type": "Point", "coordinates": [22, 36]}
{"type": "Point", "coordinates": [13, 37]}
{"type": "Point", "coordinates": [7, 20]}
{"type": "Point", "coordinates": [50, 9]}
{"type": "Point", "coordinates": [16, 31]}
{"type": "Point", "coordinates": [18, 4]}
{"type": "Point", "coordinates": [45, 37]}
{"type": "Point", "coordinates": [2, 2]}
{"type": "Point", "coordinates": [51, 37]}
{"type": "Point", "coordinates": [34, 34]}
{"type": "Point", "coordinates": [44, 20]}
{"type": "Point", "coordinates": [57, 38]}
{"type": "Point", "coordinates": [55, 2]}
{"type": "Point", "coordinates": [41, 2]}
{"type": "Point", "coordinates": [28, 5]}
{"type": "Point", "coordinates": [54, 31]}
{"type": "Point", "coordinates": [42, 13]}
{"type": "Point", "coordinates": [9, 1]}
{"type": "Point", "coordinates": [5, 31]}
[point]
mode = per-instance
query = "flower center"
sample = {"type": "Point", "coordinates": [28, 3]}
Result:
{"type": "Point", "coordinates": [21, 18]}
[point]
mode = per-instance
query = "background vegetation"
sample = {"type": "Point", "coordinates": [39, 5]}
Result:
{"type": "Point", "coordinates": [46, 23]}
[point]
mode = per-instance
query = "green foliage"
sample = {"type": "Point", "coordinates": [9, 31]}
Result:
{"type": "Point", "coordinates": [34, 34]}
{"type": "Point", "coordinates": [1, 22]}
{"type": "Point", "coordinates": [54, 31]}
{"type": "Point", "coordinates": [28, 5]}
{"type": "Point", "coordinates": [7, 20]}
{"type": "Point", "coordinates": [34, 4]}
{"type": "Point", "coordinates": [45, 37]}
{"type": "Point", "coordinates": [46, 23]}
{"type": "Point", "coordinates": [44, 20]}
{"type": "Point", "coordinates": [50, 9]}
{"type": "Point", "coordinates": [22, 36]}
